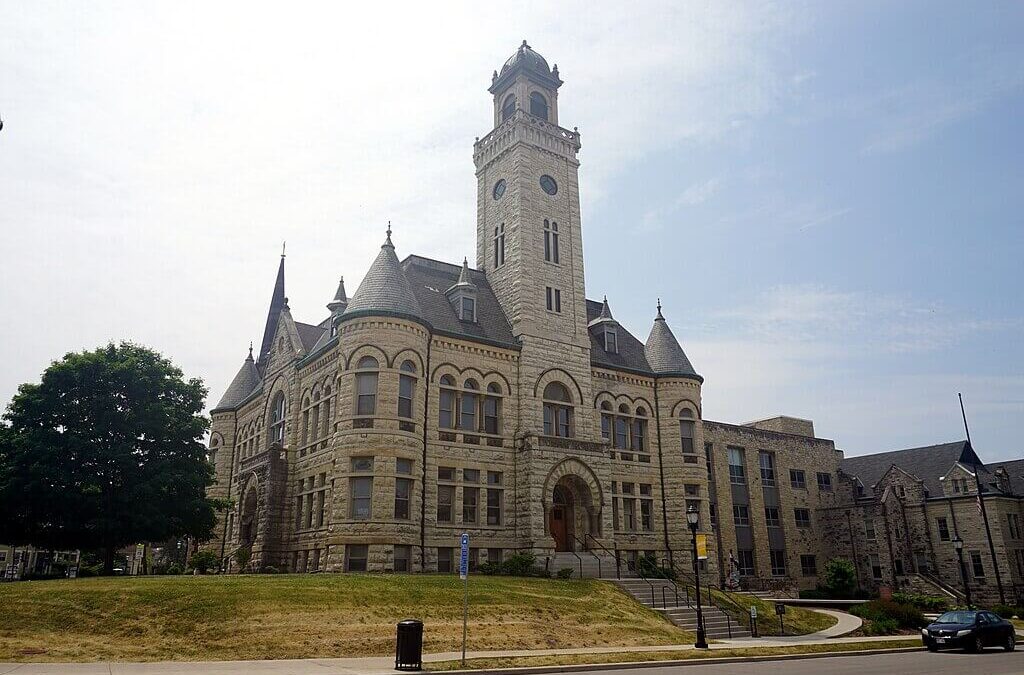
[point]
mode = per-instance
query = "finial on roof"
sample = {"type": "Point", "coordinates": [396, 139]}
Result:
{"type": "Point", "coordinates": [494, 76]}
{"type": "Point", "coordinates": [387, 242]}
{"type": "Point", "coordinates": [524, 45]}
{"type": "Point", "coordinates": [659, 311]}
{"type": "Point", "coordinates": [286, 304]}
{"type": "Point", "coordinates": [283, 245]}
{"type": "Point", "coordinates": [250, 350]}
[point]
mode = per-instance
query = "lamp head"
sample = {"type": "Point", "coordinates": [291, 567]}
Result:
{"type": "Point", "coordinates": [958, 543]}
{"type": "Point", "coordinates": [692, 516]}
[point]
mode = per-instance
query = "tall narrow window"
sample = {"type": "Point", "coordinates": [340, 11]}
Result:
{"type": "Point", "coordinates": [737, 471]}
{"type": "Point", "coordinates": [276, 434]}
{"type": "Point", "coordinates": [554, 299]}
{"type": "Point", "coordinates": [538, 105]}
{"type": "Point", "coordinates": [557, 410]}
{"type": "Point", "coordinates": [446, 415]}
{"type": "Point", "coordinates": [492, 407]}
{"type": "Point", "coordinates": [622, 429]}
{"type": "Point", "coordinates": [767, 462]}
{"type": "Point", "coordinates": [499, 245]}
{"type": "Point", "coordinates": [686, 431]}
{"type": "Point", "coordinates": [406, 388]}
{"type": "Point", "coordinates": [470, 502]}
{"type": "Point", "coordinates": [639, 437]}
{"type": "Point", "coordinates": [403, 488]}
{"type": "Point", "coordinates": [325, 418]}
{"type": "Point", "coordinates": [494, 497]}
{"type": "Point", "coordinates": [467, 415]}
{"type": "Point", "coordinates": [606, 421]}
{"type": "Point", "coordinates": [611, 341]}
{"type": "Point", "coordinates": [360, 491]}
{"type": "Point", "coordinates": [551, 251]}
{"type": "Point", "coordinates": [508, 108]}
{"type": "Point", "coordinates": [366, 386]}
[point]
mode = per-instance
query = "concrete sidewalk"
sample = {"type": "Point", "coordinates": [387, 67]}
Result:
{"type": "Point", "coordinates": [376, 665]}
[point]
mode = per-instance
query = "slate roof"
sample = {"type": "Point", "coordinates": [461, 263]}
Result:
{"type": "Point", "coordinates": [277, 303]}
{"type": "Point", "coordinates": [245, 382]}
{"type": "Point", "coordinates": [928, 463]}
{"type": "Point", "coordinates": [385, 288]}
{"type": "Point", "coordinates": [663, 352]}
{"type": "Point", "coordinates": [1015, 470]}
{"type": "Point", "coordinates": [429, 279]}
{"type": "Point", "coordinates": [309, 335]}
{"type": "Point", "coordinates": [631, 351]}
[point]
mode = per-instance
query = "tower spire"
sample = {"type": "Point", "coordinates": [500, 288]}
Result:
{"type": "Point", "coordinates": [277, 304]}
{"type": "Point", "coordinates": [340, 301]}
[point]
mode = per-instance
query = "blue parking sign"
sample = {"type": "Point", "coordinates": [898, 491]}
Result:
{"type": "Point", "coordinates": [464, 557]}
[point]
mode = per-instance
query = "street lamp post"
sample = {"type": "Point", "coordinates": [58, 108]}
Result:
{"type": "Point", "coordinates": [692, 517]}
{"type": "Point", "coordinates": [958, 544]}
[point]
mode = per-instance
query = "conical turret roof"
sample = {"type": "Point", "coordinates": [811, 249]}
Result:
{"type": "Point", "coordinates": [464, 281]}
{"type": "Point", "coordinates": [340, 301]}
{"type": "Point", "coordinates": [276, 305]}
{"type": "Point", "coordinates": [605, 316]}
{"type": "Point", "coordinates": [663, 352]}
{"type": "Point", "coordinates": [385, 288]}
{"type": "Point", "coordinates": [243, 384]}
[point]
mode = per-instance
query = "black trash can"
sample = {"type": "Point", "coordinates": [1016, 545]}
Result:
{"type": "Point", "coordinates": [409, 645]}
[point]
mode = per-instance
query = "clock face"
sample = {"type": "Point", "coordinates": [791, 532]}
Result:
{"type": "Point", "coordinates": [499, 189]}
{"type": "Point", "coordinates": [548, 184]}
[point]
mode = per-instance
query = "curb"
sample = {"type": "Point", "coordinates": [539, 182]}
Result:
{"type": "Point", "coordinates": [583, 667]}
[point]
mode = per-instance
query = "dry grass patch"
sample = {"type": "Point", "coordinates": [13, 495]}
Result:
{"type": "Point", "coordinates": [304, 616]}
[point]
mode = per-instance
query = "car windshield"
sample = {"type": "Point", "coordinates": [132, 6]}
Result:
{"type": "Point", "coordinates": [957, 617]}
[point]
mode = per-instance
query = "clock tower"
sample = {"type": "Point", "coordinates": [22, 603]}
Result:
{"type": "Point", "coordinates": [529, 241]}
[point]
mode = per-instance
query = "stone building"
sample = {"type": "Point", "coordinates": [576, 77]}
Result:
{"type": "Point", "coordinates": [498, 400]}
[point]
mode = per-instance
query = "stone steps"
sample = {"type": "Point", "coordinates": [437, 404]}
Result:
{"type": "Point", "coordinates": [717, 624]}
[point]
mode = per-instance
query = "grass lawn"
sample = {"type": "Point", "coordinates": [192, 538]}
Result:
{"type": "Point", "coordinates": [302, 616]}
{"type": "Point", "coordinates": [798, 620]}
{"type": "Point", "coordinates": [622, 657]}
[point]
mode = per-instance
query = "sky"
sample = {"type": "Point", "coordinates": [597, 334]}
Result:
{"type": "Point", "coordinates": [827, 197]}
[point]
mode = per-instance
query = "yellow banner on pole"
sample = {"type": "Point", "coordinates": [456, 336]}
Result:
{"type": "Point", "coordinates": [702, 547]}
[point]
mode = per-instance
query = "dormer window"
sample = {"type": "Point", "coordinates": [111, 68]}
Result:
{"type": "Point", "coordinates": [467, 309]}
{"type": "Point", "coordinates": [611, 341]}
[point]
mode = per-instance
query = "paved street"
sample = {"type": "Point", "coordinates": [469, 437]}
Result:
{"type": "Point", "coordinates": [991, 662]}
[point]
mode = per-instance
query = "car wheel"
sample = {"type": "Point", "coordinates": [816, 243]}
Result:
{"type": "Point", "coordinates": [1011, 642]}
{"type": "Point", "coordinates": [978, 645]}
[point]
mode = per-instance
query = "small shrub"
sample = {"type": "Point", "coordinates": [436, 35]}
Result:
{"type": "Point", "coordinates": [1008, 611]}
{"type": "Point", "coordinates": [518, 565]}
{"type": "Point", "coordinates": [490, 568]}
{"type": "Point", "coordinates": [905, 616]}
{"type": "Point", "coordinates": [649, 567]}
{"type": "Point", "coordinates": [565, 573]}
{"type": "Point", "coordinates": [925, 603]}
{"type": "Point", "coordinates": [203, 561]}
{"type": "Point", "coordinates": [881, 627]}
{"type": "Point", "coordinates": [269, 569]}
{"type": "Point", "coordinates": [813, 594]}
{"type": "Point", "coordinates": [175, 568]}
{"type": "Point", "coordinates": [840, 578]}
{"type": "Point", "coordinates": [242, 556]}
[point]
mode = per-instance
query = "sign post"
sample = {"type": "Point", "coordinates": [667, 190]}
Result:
{"type": "Point", "coordinates": [464, 575]}
{"type": "Point", "coordinates": [780, 609]}
{"type": "Point", "coordinates": [753, 621]}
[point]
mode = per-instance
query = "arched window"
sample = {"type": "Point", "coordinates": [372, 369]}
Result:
{"type": "Point", "coordinates": [277, 419]}
{"type": "Point", "coordinates": [305, 420]}
{"type": "Point", "coordinates": [406, 389]}
{"type": "Point", "coordinates": [606, 420]}
{"type": "Point", "coordinates": [557, 411]}
{"type": "Point", "coordinates": [621, 439]}
{"type": "Point", "coordinates": [639, 437]}
{"type": "Point", "coordinates": [492, 409]}
{"type": "Point", "coordinates": [325, 415]}
{"type": "Point", "coordinates": [446, 414]}
{"type": "Point", "coordinates": [366, 386]}
{"type": "Point", "coordinates": [508, 108]}
{"type": "Point", "coordinates": [538, 105]}
{"type": "Point", "coordinates": [686, 431]}
{"type": "Point", "coordinates": [551, 241]}
{"type": "Point", "coordinates": [470, 401]}
{"type": "Point", "coordinates": [315, 419]}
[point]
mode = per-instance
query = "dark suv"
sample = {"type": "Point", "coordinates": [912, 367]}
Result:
{"type": "Point", "coordinates": [969, 629]}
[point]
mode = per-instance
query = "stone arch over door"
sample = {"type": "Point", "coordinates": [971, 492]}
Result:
{"type": "Point", "coordinates": [573, 504]}
{"type": "Point", "coordinates": [248, 517]}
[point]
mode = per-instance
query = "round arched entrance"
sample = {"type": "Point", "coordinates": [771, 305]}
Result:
{"type": "Point", "coordinates": [247, 522]}
{"type": "Point", "coordinates": [573, 517]}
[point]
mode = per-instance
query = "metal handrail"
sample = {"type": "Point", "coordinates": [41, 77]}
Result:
{"type": "Point", "coordinates": [640, 573]}
{"type": "Point", "coordinates": [618, 574]}
{"type": "Point", "coordinates": [723, 594]}
{"type": "Point", "coordinates": [583, 543]}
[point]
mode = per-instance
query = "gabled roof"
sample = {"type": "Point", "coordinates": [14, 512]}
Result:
{"type": "Point", "coordinates": [430, 279]}
{"type": "Point", "coordinates": [245, 383]}
{"type": "Point", "coordinates": [928, 463]}
{"type": "Point", "coordinates": [631, 351]}
{"type": "Point", "coordinates": [664, 353]}
{"type": "Point", "coordinates": [1015, 471]}
{"type": "Point", "coordinates": [309, 335]}
{"type": "Point", "coordinates": [385, 288]}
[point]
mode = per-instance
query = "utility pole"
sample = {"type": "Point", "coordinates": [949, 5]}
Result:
{"type": "Point", "coordinates": [981, 505]}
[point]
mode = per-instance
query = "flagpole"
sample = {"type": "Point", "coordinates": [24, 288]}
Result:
{"type": "Point", "coordinates": [981, 505]}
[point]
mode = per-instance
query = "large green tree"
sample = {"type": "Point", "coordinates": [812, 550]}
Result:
{"type": "Point", "coordinates": [107, 450]}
